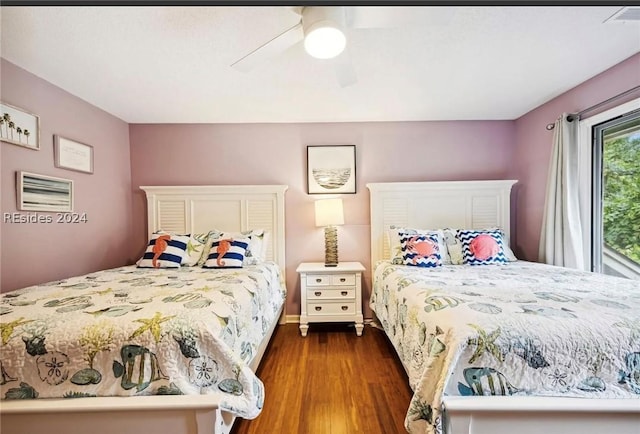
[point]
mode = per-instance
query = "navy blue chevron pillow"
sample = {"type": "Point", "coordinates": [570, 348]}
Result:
{"type": "Point", "coordinates": [420, 250]}
{"type": "Point", "coordinates": [482, 247]}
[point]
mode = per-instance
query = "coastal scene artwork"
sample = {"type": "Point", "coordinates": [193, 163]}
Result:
{"type": "Point", "coordinates": [43, 193]}
{"type": "Point", "coordinates": [19, 127]}
{"type": "Point", "coordinates": [331, 169]}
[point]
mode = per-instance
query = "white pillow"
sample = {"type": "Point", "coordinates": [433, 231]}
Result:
{"type": "Point", "coordinates": [196, 248]}
{"type": "Point", "coordinates": [511, 257]}
{"type": "Point", "coordinates": [258, 246]}
{"type": "Point", "coordinates": [396, 248]}
{"type": "Point", "coordinates": [454, 246]}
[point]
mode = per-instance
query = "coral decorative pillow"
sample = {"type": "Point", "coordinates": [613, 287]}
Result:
{"type": "Point", "coordinates": [420, 250]}
{"type": "Point", "coordinates": [482, 247]}
{"type": "Point", "coordinates": [227, 253]}
{"type": "Point", "coordinates": [395, 233]}
{"type": "Point", "coordinates": [164, 251]}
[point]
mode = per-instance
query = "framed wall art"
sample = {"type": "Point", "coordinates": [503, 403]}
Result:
{"type": "Point", "coordinates": [72, 155]}
{"type": "Point", "coordinates": [19, 127]}
{"type": "Point", "coordinates": [331, 169]}
{"type": "Point", "coordinates": [43, 193]}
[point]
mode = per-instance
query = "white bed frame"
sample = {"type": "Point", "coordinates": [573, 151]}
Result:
{"type": "Point", "coordinates": [475, 205]}
{"type": "Point", "coordinates": [183, 209]}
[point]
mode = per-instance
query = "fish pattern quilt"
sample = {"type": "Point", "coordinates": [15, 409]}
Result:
{"type": "Point", "coordinates": [516, 329]}
{"type": "Point", "coordinates": [131, 331]}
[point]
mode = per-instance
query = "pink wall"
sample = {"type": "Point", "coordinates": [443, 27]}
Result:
{"type": "Point", "coordinates": [533, 146]}
{"type": "Point", "coordinates": [128, 156]}
{"type": "Point", "coordinates": [276, 154]}
{"type": "Point", "coordinates": [39, 252]}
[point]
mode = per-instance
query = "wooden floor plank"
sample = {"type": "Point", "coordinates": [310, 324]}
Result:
{"type": "Point", "coordinates": [331, 382]}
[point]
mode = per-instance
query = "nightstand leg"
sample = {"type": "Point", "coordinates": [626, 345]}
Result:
{"type": "Point", "coordinates": [359, 328]}
{"type": "Point", "coordinates": [303, 329]}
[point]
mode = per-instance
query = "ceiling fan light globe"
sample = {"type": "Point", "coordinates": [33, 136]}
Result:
{"type": "Point", "coordinates": [324, 41]}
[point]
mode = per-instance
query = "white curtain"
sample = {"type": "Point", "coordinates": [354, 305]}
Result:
{"type": "Point", "coordinates": [561, 237]}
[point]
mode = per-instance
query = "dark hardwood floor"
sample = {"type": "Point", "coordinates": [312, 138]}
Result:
{"type": "Point", "coordinates": [331, 382]}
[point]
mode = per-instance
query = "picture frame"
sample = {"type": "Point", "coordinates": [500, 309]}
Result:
{"type": "Point", "coordinates": [72, 155]}
{"type": "Point", "coordinates": [331, 169]}
{"type": "Point", "coordinates": [43, 193]}
{"type": "Point", "coordinates": [19, 127]}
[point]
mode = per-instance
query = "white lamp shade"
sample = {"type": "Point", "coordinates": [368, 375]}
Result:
{"type": "Point", "coordinates": [329, 212]}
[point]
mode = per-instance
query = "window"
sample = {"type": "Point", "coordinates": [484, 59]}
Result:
{"type": "Point", "coordinates": [615, 246]}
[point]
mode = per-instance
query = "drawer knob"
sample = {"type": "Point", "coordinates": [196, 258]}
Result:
{"type": "Point", "coordinates": [318, 308]}
{"type": "Point", "coordinates": [345, 307]}
{"type": "Point", "coordinates": [318, 280]}
{"type": "Point", "coordinates": [342, 279]}
{"type": "Point", "coordinates": [318, 293]}
{"type": "Point", "coordinates": [344, 293]}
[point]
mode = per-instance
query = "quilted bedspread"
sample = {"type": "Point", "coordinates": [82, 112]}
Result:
{"type": "Point", "coordinates": [132, 331]}
{"type": "Point", "coordinates": [517, 329]}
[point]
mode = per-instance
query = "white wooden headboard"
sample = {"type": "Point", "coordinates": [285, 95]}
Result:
{"type": "Point", "coordinates": [432, 205]}
{"type": "Point", "coordinates": [200, 208]}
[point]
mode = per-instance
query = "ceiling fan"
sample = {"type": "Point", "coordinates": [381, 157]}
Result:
{"type": "Point", "coordinates": [324, 32]}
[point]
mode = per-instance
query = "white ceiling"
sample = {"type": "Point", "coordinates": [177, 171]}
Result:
{"type": "Point", "coordinates": [172, 64]}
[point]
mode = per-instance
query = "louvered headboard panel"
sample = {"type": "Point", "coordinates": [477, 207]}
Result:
{"type": "Point", "coordinates": [432, 205]}
{"type": "Point", "coordinates": [200, 208]}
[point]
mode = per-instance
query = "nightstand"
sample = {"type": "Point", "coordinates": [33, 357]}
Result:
{"type": "Point", "coordinates": [331, 294]}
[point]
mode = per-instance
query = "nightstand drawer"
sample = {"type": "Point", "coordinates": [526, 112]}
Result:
{"type": "Point", "coordinates": [344, 279]}
{"type": "Point", "coordinates": [331, 279]}
{"type": "Point", "coordinates": [319, 308]}
{"type": "Point", "coordinates": [320, 294]}
{"type": "Point", "coordinates": [319, 279]}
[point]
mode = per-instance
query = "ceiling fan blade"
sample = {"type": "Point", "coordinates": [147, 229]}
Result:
{"type": "Point", "coordinates": [369, 17]}
{"type": "Point", "coordinates": [345, 72]}
{"type": "Point", "coordinates": [272, 48]}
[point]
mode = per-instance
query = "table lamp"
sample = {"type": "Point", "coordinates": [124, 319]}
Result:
{"type": "Point", "coordinates": [329, 213]}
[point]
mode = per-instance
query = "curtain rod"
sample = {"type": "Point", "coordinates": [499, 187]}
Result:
{"type": "Point", "coordinates": [573, 116]}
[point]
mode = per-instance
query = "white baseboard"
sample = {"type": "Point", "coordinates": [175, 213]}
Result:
{"type": "Point", "coordinates": [293, 319]}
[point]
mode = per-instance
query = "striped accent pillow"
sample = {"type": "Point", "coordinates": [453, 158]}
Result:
{"type": "Point", "coordinates": [164, 251]}
{"type": "Point", "coordinates": [256, 251]}
{"type": "Point", "coordinates": [227, 253]}
{"type": "Point", "coordinates": [482, 247]}
{"type": "Point", "coordinates": [420, 250]}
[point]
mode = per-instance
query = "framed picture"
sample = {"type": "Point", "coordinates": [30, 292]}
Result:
{"type": "Point", "coordinates": [19, 127]}
{"type": "Point", "coordinates": [331, 169]}
{"type": "Point", "coordinates": [44, 193]}
{"type": "Point", "coordinates": [72, 155]}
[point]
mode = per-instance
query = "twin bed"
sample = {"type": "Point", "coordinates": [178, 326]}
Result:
{"type": "Point", "coordinates": [151, 350]}
{"type": "Point", "coordinates": [500, 348]}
